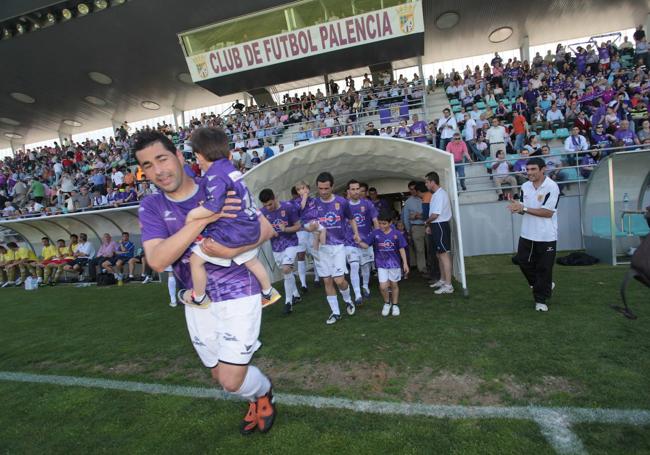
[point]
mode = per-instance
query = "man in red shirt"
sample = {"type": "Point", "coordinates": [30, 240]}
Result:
{"type": "Point", "coordinates": [458, 148]}
{"type": "Point", "coordinates": [520, 127]}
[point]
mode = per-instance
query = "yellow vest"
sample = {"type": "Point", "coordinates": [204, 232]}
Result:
{"type": "Point", "coordinates": [25, 253]}
{"type": "Point", "coordinates": [49, 252]}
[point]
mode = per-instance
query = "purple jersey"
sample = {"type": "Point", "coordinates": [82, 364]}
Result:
{"type": "Point", "coordinates": [309, 213]}
{"type": "Point", "coordinates": [419, 131]}
{"type": "Point", "coordinates": [387, 248]}
{"type": "Point", "coordinates": [626, 136]}
{"type": "Point", "coordinates": [285, 214]}
{"type": "Point", "coordinates": [380, 204]}
{"type": "Point", "coordinates": [161, 217]}
{"type": "Point", "coordinates": [333, 216]}
{"type": "Point", "coordinates": [220, 178]}
{"type": "Point", "coordinates": [363, 212]}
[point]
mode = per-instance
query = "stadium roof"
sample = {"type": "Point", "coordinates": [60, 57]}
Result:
{"type": "Point", "coordinates": [136, 46]}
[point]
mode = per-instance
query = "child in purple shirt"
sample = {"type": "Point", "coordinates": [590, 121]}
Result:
{"type": "Point", "coordinates": [213, 155]}
{"type": "Point", "coordinates": [390, 258]}
{"type": "Point", "coordinates": [309, 216]}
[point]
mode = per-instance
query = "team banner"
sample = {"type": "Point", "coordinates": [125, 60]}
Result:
{"type": "Point", "coordinates": [394, 113]}
{"type": "Point", "coordinates": [339, 34]}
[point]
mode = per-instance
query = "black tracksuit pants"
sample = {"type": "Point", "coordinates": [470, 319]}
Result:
{"type": "Point", "coordinates": [536, 261]}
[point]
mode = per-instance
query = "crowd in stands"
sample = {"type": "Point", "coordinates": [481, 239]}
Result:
{"type": "Point", "coordinates": [593, 98]}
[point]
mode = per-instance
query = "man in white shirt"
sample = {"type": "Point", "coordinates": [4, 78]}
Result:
{"type": "Point", "coordinates": [439, 230]}
{"type": "Point", "coordinates": [538, 240]}
{"type": "Point", "coordinates": [554, 117]}
{"type": "Point", "coordinates": [117, 177]}
{"type": "Point", "coordinates": [576, 142]}
{"type": "Point", "coordinates": [496, 137]}
{"type": "Point", "coordinates": [446, 128]}
{"type": "Point", "coordinates": [412, 219]}
{"type": "Point", "coordinates": [84, 252]}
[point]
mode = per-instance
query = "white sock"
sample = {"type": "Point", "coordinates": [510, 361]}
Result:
{"type": "Point", "coordinates": [302, 273]}
{"type": "Point", "coordinates": [266, 291]}
{"type": "Point", "coordinates": [365, 274]}
{"type": "Point", "coordinates": [289, 286]}
{"type": "Point", "coordinates": [346, 295]}
{"type": "Point", "coordinates": [171, 287]}
{"type": "Point", "coordinates": [316, 277]}
{"type": "Point", "coordinates": [255, 384]}
{"type": "Point", "coordinates": [355, 281]}
{"type": "Point", "coordinates": [334, 304]}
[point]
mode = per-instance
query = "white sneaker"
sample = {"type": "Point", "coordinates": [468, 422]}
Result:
{"type": "Point", "coordinates": [395, 310]}
{"type": "Point", "coordinates": [39, 280]}
{"type": "Point", "coordinates": [541, 307]}
{"type": "Point", "coordinates": [445, 289]}
{"type": "Point", "coordinates": [81, 277]}
{"type": "Point", "coordinates": [18, 282]}
{"type": "Point", "coordinates": [173, 304]}
{"type": "Point", "coordinates": [147, 279]}
{"type": "Point", "coordinates": [385, 311]}
{"type": "Point", "coordinates": [333, 319]}
{"type": "Point", "coordinates": [7, 284]}
{"type": "Point", "coordinates": [437, 284]}
{"type": "Point", "coordinates": [350, 308]}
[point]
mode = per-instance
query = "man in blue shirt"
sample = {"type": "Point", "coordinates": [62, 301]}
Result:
{"type": "Point", "coordinates": [98, 181]}
{"type": "Point", "coordinates": [268, 151]}
{"type": "Point", "coordinates": [125, 251]}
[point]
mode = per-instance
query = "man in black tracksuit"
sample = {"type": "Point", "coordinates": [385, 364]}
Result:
{"type": "Point", "coordinates": [538, 240]}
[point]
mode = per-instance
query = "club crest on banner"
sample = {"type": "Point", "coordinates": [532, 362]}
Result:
{"type": "Point", "coordinates": [406, 18]}
{"type": "Point", "coordinates": [201, 65]}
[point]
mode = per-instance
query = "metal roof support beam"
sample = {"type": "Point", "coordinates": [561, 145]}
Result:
{"type": "Point", "coordinates": [179, 117]}
{"type": "Point", "coordinates": [524, 49]}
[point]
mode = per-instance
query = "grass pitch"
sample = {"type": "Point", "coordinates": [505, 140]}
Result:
{"type": "Point", "coordinates": [488, 349]}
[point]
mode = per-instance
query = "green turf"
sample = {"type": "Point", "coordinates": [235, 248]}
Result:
{"type": "Point", "coordinates": [600, 439]}
{"type": "Point", "coordinates": [488, 349]}
{"type": "Point", "coordinates": [51, 419]}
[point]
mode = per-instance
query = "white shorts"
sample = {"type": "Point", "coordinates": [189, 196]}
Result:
{"type": "Point", "coordinates": [393, 275]}
{"type": "Point", "coordinates": [227, 331]}
{"type": "Point", "coordinates": [304, 240]}
{"type": "Point", "coordinates": [360, 255]}
{"type": "Point", "coordinates": [239, 259]}
{"type": "Point", "coordinates": [330, 261]}
{"type": "Point", "coordinates": [286, 257]}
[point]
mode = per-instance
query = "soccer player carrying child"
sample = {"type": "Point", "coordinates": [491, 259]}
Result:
{"type": "Point", "coordinates": [389, 245]}
{"type": "Point", "coordinates": [210, 146]}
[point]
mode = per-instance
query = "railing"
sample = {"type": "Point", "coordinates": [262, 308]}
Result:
{"type": "Point", "coordinates": [44, 214]}
{"type": "Point", "coordinates": [512, 158]}
{"type": "Point", "coordinates": [274, 134]}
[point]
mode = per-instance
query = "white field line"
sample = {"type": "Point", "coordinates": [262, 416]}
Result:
{"type": "Point", "coordinates": [554, 422]}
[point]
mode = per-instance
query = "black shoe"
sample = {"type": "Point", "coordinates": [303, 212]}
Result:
{"type": "Point", "coordinates": [296, 299]}
{"type": "Point", "coordinates": [358, 302]}
{"type": "Point", "coordinates": [365, 294]}
{"type": "Point", "coordinates": [288, 308]}
{"type": "Point", "coordinates": [303, 290]}
{"type": "Point", "coordinates": [52, 283]}
{"type": "Point", "coordinates": [317, 284]}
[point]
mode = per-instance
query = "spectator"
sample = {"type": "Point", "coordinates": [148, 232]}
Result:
{"type": "Point", "coordinates": [446, 128]}
{"type": "Point", "coordinates": [501, 173]}
{"type": "Point", "coordinates": [554, 117]}
{"type": "Point", "coordinates": [496, 137]}
{"type": "Point", "coordinates": [82, 200]}
{"type": "Point", "coordinates": [139, 258]}
{"type": "Point", "coordinates": [458, 149]}
{"type": "Point", "coordinates": [589, 161]}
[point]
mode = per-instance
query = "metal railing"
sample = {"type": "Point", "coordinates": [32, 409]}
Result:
{"type": "Point", "coordinates": [562, 181]}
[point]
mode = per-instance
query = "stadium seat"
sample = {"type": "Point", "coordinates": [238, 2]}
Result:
{"type": "Point", "coordinates": [455, 109]}
{"type": "Point", "coordinates": [601, 227]}
{"type": "Point", "coordinates": [635, 224]}
{"type": "Point", "coordinates": [481, 105]}
{"type": "Point", "coordinates": [562, 133]}
{"type": "Point", "coordinates": [454, 102]}
{"type": "Point", "coordinates": [492, 103]}
{"type": "Point", "coordinates": [547, 135]}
